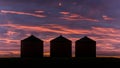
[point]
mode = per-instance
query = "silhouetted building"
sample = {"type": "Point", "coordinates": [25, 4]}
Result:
{"type": "Point", "coordinates": [32, 47]}
{"type": "Point", "coordinates": [85, 47]}
{"type": "Point", "coordinates": [60, 47]}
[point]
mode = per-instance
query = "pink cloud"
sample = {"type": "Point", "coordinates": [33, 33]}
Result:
{"type": "Point", "coordinates": [65, 13]}
{"type": "Point", "coordinates": [47, 28]}
{"type": "Point", "coordinates": [39, 11]}
{"type": "Point", "coordinates": [23, 13]}
{"type": "Point", "coordinates": [106, 31]}
{"type": "Point", "coordinates": [106, 37]}
{"type": "Point", "coordinates": [11, 33]}
{"type": "Point", "coordinates": [107, 18]}
{"type": "Point", "coordinates": [77, 17]}
{"type": "Point", "coordinates": [8, 40]}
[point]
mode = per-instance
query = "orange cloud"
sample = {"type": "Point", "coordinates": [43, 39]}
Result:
{"type": "Point", "coordinates": [8, 54]}
{"type": "Point", "coordinates": [47, 54]}
{"type": "Point", "coordinates": [23, 13]}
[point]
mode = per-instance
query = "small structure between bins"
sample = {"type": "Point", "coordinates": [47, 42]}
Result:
{"type": "Point", "coordinates": [60, 47]}
{"type": "Point", "coordinates": [85, 47]}
{"type": "Point", "coordinates": [31, 47]}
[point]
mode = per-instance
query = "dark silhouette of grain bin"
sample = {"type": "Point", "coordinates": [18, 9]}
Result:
{"type": "Point", "coordinates": [85, 47]}
{"type": "Point", "coordinates": [31, 47]}
{"type": "Point", "coordinates": [60, 47]}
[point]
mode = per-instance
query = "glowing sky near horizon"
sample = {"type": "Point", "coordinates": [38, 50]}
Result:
{"type": "Point", "coordinates": [47, 19]}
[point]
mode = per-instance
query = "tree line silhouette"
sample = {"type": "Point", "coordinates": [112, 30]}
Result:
{"type": "Point", "coordinates": [59, 47]}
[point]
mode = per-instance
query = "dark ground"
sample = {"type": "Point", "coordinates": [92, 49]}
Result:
{"type": "Point", "coordinates": [38, 62]}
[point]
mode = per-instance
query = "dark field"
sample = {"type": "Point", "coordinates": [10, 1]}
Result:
{"type": "Point", "coordinates": [35, 62]}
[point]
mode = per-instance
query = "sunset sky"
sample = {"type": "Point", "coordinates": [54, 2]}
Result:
{"type": "Point", "coordinates": [47, 19]}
